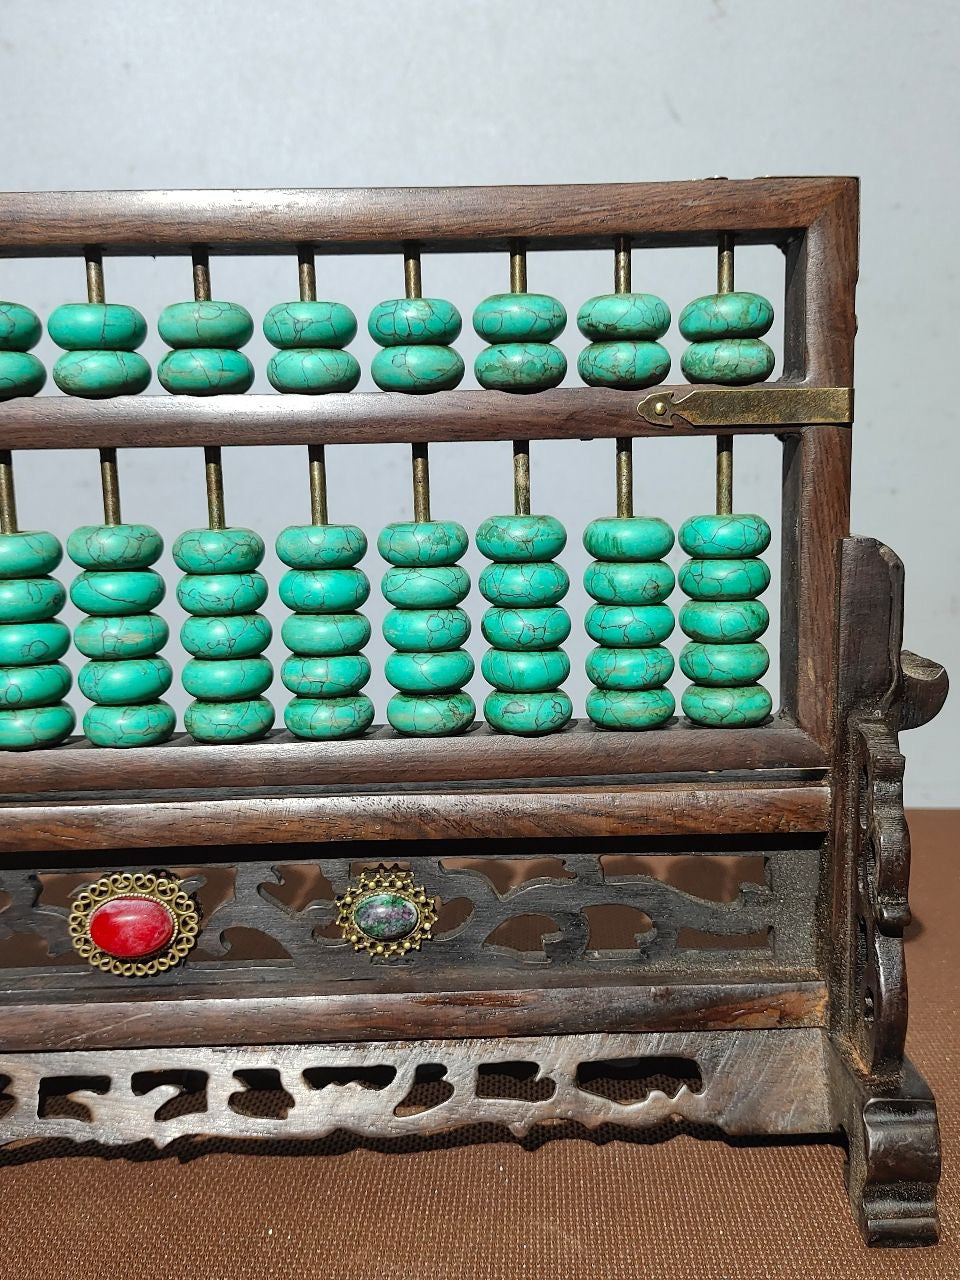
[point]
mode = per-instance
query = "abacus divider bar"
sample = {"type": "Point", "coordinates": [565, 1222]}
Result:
{"type": "Point", "coordinates": [109, 474]}
{"type": "Point", "coordinates": [212, 457]}
{"type": "Point", "coordinates": [316, 461]}
{"type": "Point", "coordinates": [521, 448]}
{"type": "Point", "coordinates": [8, 494]}
{"type": "Point", "coordinates": [621, 284]}
{"type": "Point", "coordinates": [419, 454]}
{"type": "Point", "coordinates": [725, 443]}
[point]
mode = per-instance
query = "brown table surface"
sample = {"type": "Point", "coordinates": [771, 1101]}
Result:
{"type": "Point", "coordinates": [489, 1208]}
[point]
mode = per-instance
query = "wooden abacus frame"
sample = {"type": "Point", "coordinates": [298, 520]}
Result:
{"type": "Point", "coordinates": [811, 1041]}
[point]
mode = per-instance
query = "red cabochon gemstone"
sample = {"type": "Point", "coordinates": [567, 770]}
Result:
{"type": "Point", "coordinates": [130, 928]}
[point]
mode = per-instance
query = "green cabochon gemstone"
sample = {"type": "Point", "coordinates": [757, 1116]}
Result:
{"type": "Point", "coordinates": [423, 672]}
{"type": "Point", "coordinates": [139, 726]}
{"type": "Point", "coordinates": [242, 721]}
{"type": "Point", "coordinates": [313, 372]}
{"type": "Point", "coordinates": [711, 537]}
{"type": "Point", "coordinates": [414, 322]}
{"type": "Point", "coordinates": [724, 621]}
{"type": "Point", "coordinates": [242, 636]}
{"type": "Point", "coordinates": [321, 719]}
{"type": "Point", "coordinates": [749, 704]}
{"type": "Point", "coordinates": [432, 542]}
{"type": "Point", "coordinates": [24, 644]}
{"type": "Point", "coordinates": [130, 636]}
{"type": "Point", "coordinates": [226, 679]}
{"type": "Point", "coordinates": [519, 317]}
{"type": "Point", "coordinates": [527, 714]}
{"type": "Point", "coordinates": [724, 579]}
{"type": "Point", "coordinates": [612, 317]}
{"type": "Point", "coordinates": [218, 551]}
{"type": "Point", "coordinates": [417, 370]}
{"type": "Point", "coordinates": [620, 626]}
{"type": "Point", "coordinates": [30, 727]}
{"type": "Point", "coordinates": [519, 629]}
{"type": "Point", "coordinates": [628, 538]}
{"type": "Point", "coordinates": [630, 709]}
{"type": "Point", "coordinates": [629, 668]}
{"type": "Point", "coordinates": [30, 599]}
{"type": "Point", "coordinates": [33, 686]}
{"type": "Point", "coordinates": [205, 324]}
{"type": "Point", "coordinates": [517, 672]}
{"type": "Point", "coordinates": [28, 555]}
{"type": "Point", "coordinates": [514, 539]}
{"type": "Point", "coordinates": [427, 587]}
{"type": "Point", "coordinates": [727, 360]}
{"type": "Point", "coordinates": [431, 715]}
{"type": "Point", "coordinates": [721, 665]}
{"type": "Point", "coordinates": [200, 371]}
{"type": "Point", "coordinates": [20, 328]}
{"type": "Point", "coordinates": [116, 683]}
{"type": "Point", "coordinates": [415, 630]}
{"type": "Point", "coordinates": [21, 374]}
{"type": "Point", "coordinates": [324, 635]}
{"type": "Point", "coordinates": [726, 315]}
{"type": "Point", "coordinates": [324, 590]}
{"type": "Point", "coordinates": [520, 366]}
{"type": "Point", "coordinates": [620, 582]}
{"type": "Point", "coordinates": [114, 546]}
{"type": "Point", "coordinates": [628, 365]}
{"type": "Point", "coordinates": [321, 546]}
{"type": "Point", "coordinates": [103, 591]}
{"type": "Point", "coordinates": [519, 585]}
{"type": "Point", "coordinates": [97, 375]}
{"type": "Point", "coordinates": [304, 325]}
{"type": "Point", "coordinates": [97, 326]}
{"type": "Point", "coordinates": [335, 677]}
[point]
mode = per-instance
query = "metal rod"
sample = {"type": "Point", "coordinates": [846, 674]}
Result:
{"type": "Point", "coordinates": [201, 277]}
{"type": "Point", "coordinates": [8, 496]}
{"type": "Point", "coordinates": [621, 284]}
{"type": "Point", "coordinates": [419, 455]}
{"type": "Point", "coordinates": [621, 265]}
{"type": "Point", "coordinates": [412, 282]}
{"type": "Point", "coordinates": [518, 269]}
{"type": "Point", "coordinates": [212, 456]}
{"type": "Point", "coordinates": [521, 448]}
{"type": "Point", "coordinates": [95, 291]}
{"type": "Point", "coordinates": [725, 443]}
{"type": "Point", "coordinates": [109, 474]}
{"type": "Point", "coordinates": [308, 276]}
{"type": "Point", "coordinates": [315, 454]}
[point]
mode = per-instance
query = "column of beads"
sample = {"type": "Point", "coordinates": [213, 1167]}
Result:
{"type": "Point", "coordinates": [521, 327]}
{"type": "Point", "coordinates": [21, 374]}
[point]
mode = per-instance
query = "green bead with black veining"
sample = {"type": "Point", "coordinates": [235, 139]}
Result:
{"type": "Point", "coordinates": [24, 644]}
{"type": "Point", "coordinates": [519, 629]}
{"type": "Point", "coordinates": [323, 635]}
{"type": "Point", "coordinates": [622, 582]}
{"type": "Point", "coordinates": [204, 371]}
{"type": "Point", "coordinates": [323, 719]}
{"type": "Point", "coordinates": [525, 672]}
{"type": "Point", "coordinates": [30, 727]}
{"type": "Point", "coordinates": [431, 715]}
{"type": "Point", "coordinates": [226, 679]}
{"type": "Point", "coordinates": [527, 714]}
{"type": "Point", "coordinates": [336, 676]}
{"type": "Point", "coordinates": [628, 538]}
{"type": "Point", "coordinates": [240, 636]}
{"type": "Point", "coordinates": [513, 539]}
{"type": "Point", "coordinates": [613, 317]}
{"type": "Point", "coordinates": [97, 375]}
{"type": "Point", "coordinates": [630, 708]}
{"type": "Point", "coordinates": [424, 672]}
{"type": "Point", "coordinates": [305, 325]}
{"type": "Point", "coordinates": [621, 626]}
{"type": "Point", "coordinates": [20, 328]}
{"type": "Point", "coordinates": [402, 322]}
{"type": "Point", "coordinates": [724, 579]}
{"type": "Point", "coordinates": [114, 546]}
{"type": "Point", "coordinates": [730, 361]}
{"type": "Point", "coordinates": [97, 326]}
{"type": "Point", "coordinates": [413, 630]}
{"type": "Point", "coordinates": [234, 721]}
{"type": "Point", "coordinates": [726, 315]}
{"type": "Point", "coordinates": [218, 550]}
{"type": "Point", "coordinates": [210, 324]}
{"type": "Point", "coordinates": [313, 372]}
{"type": "Point", "coordinates": [130, 680]}
{"type": "Point", "coordinates": [627, 365]}
{"type": "Point", "coordinates": [30, 599]}
{"type": "Point", "coordinates": [723, 665]}
{"type": "Point", "coordinates": [124, 636]}
{"type": "Point", "coordinates": [432, 542]}
{"type": "Point", "coordinates": [105, 592]}
{"type": "Point", "coordinates": [321, 546]}
{"type": "Point", "coordinates": [520, 366]}
{"type": "Point", "coordinates": [533, 584]}
{"type": "Point", "coordinates": [129, 726]}
{"type": "Point", "coordinates": [727, 537]}
{"type": "Point", "coordinates": [417, 370]}
{"type": "Point", "coordinates": [519, 317]}
{"type": "Point", "coordinates": [33, 686]}
{"type": "Point", "coordinates": [629, 668]}
{"type": "Point", "coordinates": [724, 621]}
{"type": "Point", "coordinates": [737, 707]}
{"type": "Point", "coordinates": [427, 587]}
{"type": "Point", "coordinates": [324, 590]}
{"type": "Point", "coordinates": [28, 554]}
{"type": "Point", "coordinates": [21, 374]}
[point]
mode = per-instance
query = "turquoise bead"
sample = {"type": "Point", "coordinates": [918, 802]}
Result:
{"type": "Point", "coordinates": [114, 546]}
{"type": "Point", "coordinates": [22, 644]}
{"type": "Point", "coordinates": [20, 328]}
{"type": "Point", "coordinates": [711, 537]}
{"type": "Point", "coordinates": [735, 708]}
{"type": "Point", "coordinates": [431, 716]}
{"type": "Point", "coordinates": [722, 665]}
{"type": "Point", "coordinates": [514, 539]}
{"type": "Point", "coordinates": [217, 594]}
{"type": "Point", "coordinates": [226, 679]}
{"type": "Point", "coordinates": [28, 555]}
{"type": "Point", "coordinates": [36, 726]}
{"type": "Point", "coordinates": [630, 709]}
{"type": "Point", "coordinates": [613, 317]}
{"type": "Point", "coordinates": [131, 680]}
{"type": "Point", "coordinates": [130, 636]}
{"type": "Point", "coordinates": [403, 322]}
{"type": "Point", "coordinates": [726, 315]}
{"type": "Point", "coordinates": [35, 686]}
{"type": "Point", "coordinates": [433, 542]}
{"type": "Point", "coordinates": [139, 726]}
{"type": "Point", "coordinates": [313, 372]}
{"type": "Point", "coordinates": [304, 325]}
{"type": "Point", "coordinates": [203, 371]}
{"type": "Point", "coordinates": [724, 579]}
{"type": "Point", "coordinates": [724, 621]}
{"type": "Point", "coordinates": [30, 599]}
{"type": "Point", "coordinates": [520, 366]}
{"type": "Point", "coordinates": [97, 326]}
{"type": "Point", "coordinates": [536, 583]}
{"type": "Point", "coordinates": [628, 365]}
{"type": "Point", "coordinates": [628, 538]}
{"type": "Point", "coordinates": [732, 361]}
{"type": "Point", "coordinates": [416, 630]}
{"type": "Point", "coordinates": [205, 324]}
{"type": "Point", "coordinates": [104, 592]}
{"type": "Point", "coordinates": [527, 714]}
{"type": "Point", "coordinates": [321, 546]}
{"type": "Point", "coordinates": [242, 721]}
{"type": "Point", "coordinates": [97, 375]}
{"type": "Point", "coordinates": [241, 636]}
{"type": "Point", "coordinates": [324, 590]}
{"type": "Point", "coordinates": [21, 374]}
{"type": "Point", "coordinates": [619, 626]}
{"type": "Point", "coordinates": [335, 677]}
{"type": "Point", "coordinates": [426, 588]}
{"type": "Point", "coordinates": [629, 668]}
{"type": "Point", "coordinates": [218, 551]}
{"type": "Point", "coordinates": [417, 370]}
{"type": "Point", "coordinates": [518, 629]}
{"type": "Point", "coordinates": [323, 635]}
{"type": "Point", "coordinates": [516, 672]}
{"type": "Point", "coordinates": [519, 317]}
{"type": "Point", "coordinates": [424, 672]}
{"type": "Point", "coordinates": [622, 582]}
{"type": "Point", "coordinates": [323, 719]}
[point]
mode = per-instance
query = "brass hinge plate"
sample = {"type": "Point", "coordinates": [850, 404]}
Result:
{"type": "Point", "coordinates": [748, 407]}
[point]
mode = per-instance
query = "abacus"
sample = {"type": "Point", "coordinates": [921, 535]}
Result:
{"type": "Point", "coordinates": [468, 913]}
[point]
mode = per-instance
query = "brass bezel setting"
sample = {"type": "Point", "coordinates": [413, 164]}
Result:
{"type": "Point", "coordinates": [385, 880]}
{"type": "Point", "coordinates": [169, 893]}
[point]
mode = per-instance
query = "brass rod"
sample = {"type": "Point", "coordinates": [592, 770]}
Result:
{"type": "Point", "coordinates": [521, 448]}
{"type": "Point", "coordinates": [213, 468]}
{"type": "Point", "coordinates": [109, 475]}
{"type": "Point", "coordinates": [419, 455]}
{"type": "Point", "coordinates": [725, 263]}
{"type": "Point", "coordinates": [412, 282]}
{"type": "Point", "coordinates": [95, 291]}
{"type": "Point", "coordinates": [308, 276]}
{"type": "Point", "coordinates": [8, 495]}
{"type": "Point", "coordinates": [621, 284]}
{"type": "Point", "coordinates": [518, 269]}
{"type": "Point", "coordinates": [201, 277]}
{"type": "Point", "coordinates": [621, 265]}
{"type": "Point", "coordinates": [725, 443]}
{"type": "Point", "coordinates": [315, 455]}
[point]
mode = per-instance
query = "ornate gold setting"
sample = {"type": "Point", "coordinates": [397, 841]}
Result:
{"type": "Point", "coordinates": [169, 893]}
{"type": "Point", "coordinates": [388, 881]}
